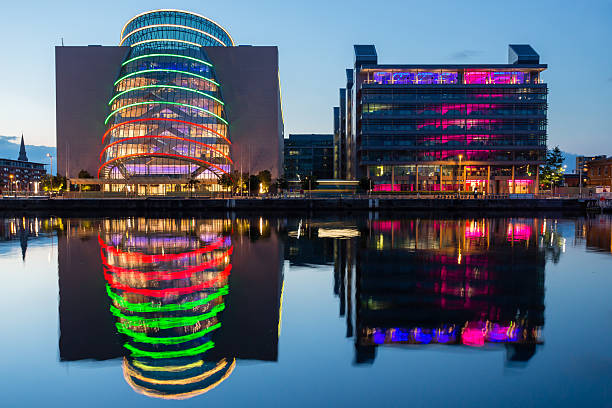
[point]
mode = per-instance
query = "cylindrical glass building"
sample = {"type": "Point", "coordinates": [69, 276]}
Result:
{"type": "Point", "coordinates": [167, 124]}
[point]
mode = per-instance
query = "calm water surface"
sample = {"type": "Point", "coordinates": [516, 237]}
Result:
{"type": "Point", "coordinates": [320, 311]}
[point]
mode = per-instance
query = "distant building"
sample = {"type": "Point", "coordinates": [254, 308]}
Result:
{"type": "Point", "coordinates": [445, 127]}
{"type": "Point", "coordinates": [307, 155]}
{"type": "Point", "coordinates": [582, 161]}
{"type": "Point", "coordinates": [599, 172]}
{"type": "Point", "coordinates": [20, 174]}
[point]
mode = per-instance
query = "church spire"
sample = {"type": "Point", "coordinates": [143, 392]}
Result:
{"type": "Point", "coordinates": [22, 153]}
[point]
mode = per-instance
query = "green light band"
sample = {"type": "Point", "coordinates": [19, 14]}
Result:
{"type": "Point", "coordinates": [167, 322]}
{"type": "Point", "coordinates": [143, 338]}
{"type": "Point", "coordinates": [152, 307]}
{"type": "Point", "coordinates": [165, 70]}
{"type": "Point", "coordinates": [169, 354]}
{"type": "Point", "coordinates": [166, 86]}
{"type": "Point", "coordinates": [164, 103]}
{"type": "Point", "coordinates": [167, 55]}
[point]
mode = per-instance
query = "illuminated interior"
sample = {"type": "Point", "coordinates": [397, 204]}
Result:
{"type": "Point", "coordinates": [167, 123]}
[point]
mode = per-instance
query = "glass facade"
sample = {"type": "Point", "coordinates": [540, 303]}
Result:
{"type": "Point", "coordinates": [448, 128]}
{"type": "Point", "coordinates": [307, 155]}
{"type": "Point", "coordinates": [167, 115]}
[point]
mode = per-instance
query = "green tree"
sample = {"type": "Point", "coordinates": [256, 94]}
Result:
{"type": "Point", "coordinates": [84, 174]}
{"type": "Point", "coordinates": [282, 183]}
{"type": "Point", "coordinates": [265, 178]}
{"type": "Point", "coordinates": [551, 173]}
{"type": "Point", "coordinates": [227, 181]}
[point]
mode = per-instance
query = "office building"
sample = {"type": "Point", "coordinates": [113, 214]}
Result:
{"type": "Point", "coordinates": [174, 102]}
{"type": "Point", "coordinates": [599, 172]}
{"type": "Point", "coordinates": [20, 175]}
{"type": "Point", "coordinates": [446, 128]}
{"type": "Point", "coordinates": [582, 161]}
{"type": "Point", "coordinates": [309, 155]}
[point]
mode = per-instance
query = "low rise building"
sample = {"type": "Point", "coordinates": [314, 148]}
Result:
{"type": "Point", "coordinates": [599, 172]}
{"type": "Point", "coordinates": [21, 174]}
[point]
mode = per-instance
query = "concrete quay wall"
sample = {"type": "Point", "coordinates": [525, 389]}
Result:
{"type": "Point", "coordinates": [120, 206]}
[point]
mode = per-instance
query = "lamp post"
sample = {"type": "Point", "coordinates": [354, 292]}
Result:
{"type": "Point", "coordinates": [50, 171]}
{"type": "Point", "coordinates": [462, 177]}
{"type": "Point", "coordinates": [11, 183]}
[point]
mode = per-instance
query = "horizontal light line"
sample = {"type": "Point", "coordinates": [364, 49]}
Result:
{"type": "Point", "coordinates": [143, 338]}
{"type": "Point", "coordinates": [176, 11]}
{"type": "Point", "coordinates": [164, 103]}
{"type": "Point", "coordinates": [165, 40]}
{"type": "Point", "coordinates": [166, 86]}
{"type": "Point", "coordinates": [168, 369]}
{"type": "Point", "coordinates": [180, 381]}
{"type": "Point", "coordinates": [178, 26]}
{"type": "Point", "coordinates": [160, 293]}
{"type": "Point", "coordinates": [167, 55]}
{"type": "Point", "coordinates": [155, 307]}
{"type": "Point", "coordinates": [162, 155]}
{"type": "Point", "coordinates": [169, 354]}
{"type": "Point", "coordinates": [166, 137]}
{"type": "Point", "coordinates": [163, 119]}
{"type": "Point", "coordinates": [145, 258]}
{"type": "Point", "coordinates": [131, 74]}
{"type": "Point", "coordinates": [164, 323]}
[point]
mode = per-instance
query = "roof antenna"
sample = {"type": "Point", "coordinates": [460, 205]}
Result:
{"type": "Point", "coordinates": [62, 41]}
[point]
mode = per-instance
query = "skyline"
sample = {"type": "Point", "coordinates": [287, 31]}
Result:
{"type": "Point", "coordinates": [312, 61]}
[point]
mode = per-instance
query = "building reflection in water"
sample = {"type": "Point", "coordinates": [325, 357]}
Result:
{"type": "Point", "coordinates": [167, 294]}
{"type": "Point", "coordinates": [168, 287]}
{"type": "Point", "coordinates": [595, 232]}
{"type": "Point", "coordinates": [415, 282]}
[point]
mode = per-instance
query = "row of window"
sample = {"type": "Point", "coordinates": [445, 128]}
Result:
{"type": "Point", "coordinates": [451, 155]}
{"type": "Point", "coordinates": [524, 171]}
{"type": "Point", "coordinates": [460, 94]}
{"type": "Point", "coordinates": [453, 141]}
{"type": "Point", "coordinates": [453, 109]}
{"type": "Point", "coordinates": [454, 126]}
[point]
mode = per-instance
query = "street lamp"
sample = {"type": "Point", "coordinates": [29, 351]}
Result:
{"type": "Point", "coordinates": [51, 170]}
{"type": "Point", "coordinates": [462, 178]}
{"type": "Point", "coordinates": [11, 182]}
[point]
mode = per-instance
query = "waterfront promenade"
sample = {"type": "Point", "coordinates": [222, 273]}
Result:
{"type": "Point", "coordinates": [166, 204]}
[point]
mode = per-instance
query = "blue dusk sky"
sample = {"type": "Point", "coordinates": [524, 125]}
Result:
{"type": "Point", "coordinates": [315, 40]}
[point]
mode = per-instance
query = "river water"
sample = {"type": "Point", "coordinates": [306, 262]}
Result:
{"type": "Point", "coordinates": [365, 310]}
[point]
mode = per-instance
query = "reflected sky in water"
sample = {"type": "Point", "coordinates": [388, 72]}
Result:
{"type": "Point", "coordinates": [327, 311]}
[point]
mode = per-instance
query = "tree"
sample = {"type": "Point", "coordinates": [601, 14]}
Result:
{"type": "Point", "coordinates": [227, 181]}
{"type": "Point", "coordinates": [366, 184]}
{"type": "Point", "coordinates": [551, 174]}
{"type": "Point", "coordinates": [84, 174]}
{"type": "Point", "coordinates": [309, 182]}
{"type": "Point", "coordinates": [265, 178]}
{"type": "Point", "coordinates": [253, 184]}
{"type": "Point", "coordinates": [193, 183]}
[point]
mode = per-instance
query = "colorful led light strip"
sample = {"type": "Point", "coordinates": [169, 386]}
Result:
{"type": "Point", "coordinates": [166, 40]}
{"type": "Point", "coordinates": [168, 274]}
{"type": "Point", "coordinates": [184, 381]}
{"type": "Point", "coordinates": [163, 119]}
{"type": "Point", "coordinates": [143, 338]}
{"type": "Point", "coordinates": [160, 293]}
{"type": "Point", "coordinates": [179, 156]}
{"type": "Point", "coordinates": [177, 11]}
{"type": "Point", "coordinates": [170, 354]}
{"type": "Point", "coordinates": [167, 369]}
{"type": "Point", "coordinates": [166, 137]}
{"type": "Point", "coordinates": [178, 26]}
{"type": "Point", "coordinates": [166, 322]}
{"type": "Point", "coordinates": [154, 307]}
{"type": "Point", "coordinates": [144, 258]}
{"type": "Point", "coordinates": [164, 103]}
{"type": "Point", "coordinates": [167, 55]}
{"type": "Point", "coordinates": [131, 74]}
{"type": "Point", "coordinates": [157, 394]}
{"type": "Point", "coordinates": [166, 86]}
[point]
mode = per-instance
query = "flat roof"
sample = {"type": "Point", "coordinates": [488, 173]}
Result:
{"type": "Point", "coordinates": [508, 67]}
